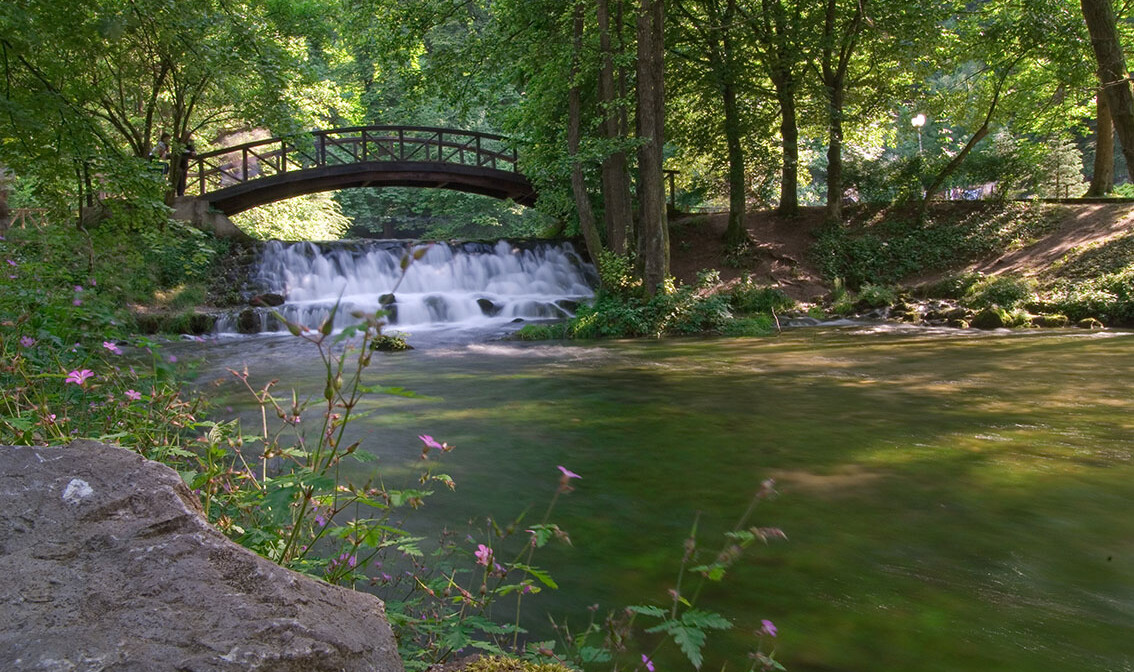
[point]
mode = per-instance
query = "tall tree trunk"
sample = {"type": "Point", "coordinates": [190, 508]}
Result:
{"type": "Point", "coordinates": [784, 84]}
{"type": "Point", "coordinates": [653, 235]}
{"type": "Point", "coordinates": [617, 211]}
{"type": "Point", "coordinates": [574, 125]}
{"type": "Point", "coordinates": [1102, 178]}
{"type": "Point", "coordinates": [1099, 16]}
{"type": "Point", "coordinates": [737, 231]}
{"type": "Point", "coordinates": [834, 212]}
{"type": "Point", "coordinates": [836, 56]}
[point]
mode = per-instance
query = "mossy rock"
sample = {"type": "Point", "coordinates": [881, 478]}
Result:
{"type": "Point", "coordinates": [1055, 321]}
{"type": "Point", "coordinates": [958, 323]}
{"type": "Point", "coordinates": [1089, 323]}
{"type": "Point", "coordinates": [390, 343]}
{"type": "Point", "coordinates": [248, 321]}
{"type": "Point", "coordinates": [993, 317]}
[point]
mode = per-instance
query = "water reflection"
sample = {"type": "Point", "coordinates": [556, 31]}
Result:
{"type": "Point", "coordinates": [954, 501]}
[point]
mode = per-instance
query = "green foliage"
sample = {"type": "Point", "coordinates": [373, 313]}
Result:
{"type": "Point", "coordinates": [124, 392]}
{"type": "Point", "coordinates": [74, 284]}
{"type": "Point", "coordinates": [1108, 297]}
{"type": "Point", "coordinates": [1004, 291]}
{"type": "Point", "coordinates": [749, 298]}
{"type": "Point", "coordinates": [682, 310]}
{"type": "Point", "coordinates": [437, 214]}
{"type": "Point", "coordinates": [311, 217]}
{"type": "Point", "coordinates": [888, 250]}
{"type": "Point", "coordinates": [542, 332]}
{"type": "Point", "coordinates": [876, 296]}
{"type": "Point", "coordinates": [616, 274]}
{"type": "Point", "coordinates": [951, 286]}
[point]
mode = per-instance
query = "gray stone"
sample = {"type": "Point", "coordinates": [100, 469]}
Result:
{"type": "Point", "coordinates": [106, 563]}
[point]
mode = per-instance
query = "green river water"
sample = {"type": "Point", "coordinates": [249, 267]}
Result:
{"type": "Point", "coordinates": [952, 500]}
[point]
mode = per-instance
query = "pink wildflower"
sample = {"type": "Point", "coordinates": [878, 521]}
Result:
{"type": "Point", "coordinates": [768, 628]}
{"type": "Point", "coordinates": [27, 341]}
{"type": "Point", "coordinates": [112, 347]}
{"type": "Point", "coordinates": [78, 288]}
{"type": "Point", "coordinates": [647, 662]}
{"type": "Point", "coordinates": [483, 555]}
{"type": "Point", "coordinates": [429, 441]}
{"type": "Point", "coordinates": [77, 302]}
{"type": "Point", "coordinates": [79, 377]}
{"type": "Point", "coordinates": [133, 395]}
{"type": "Point", "coordinates": [567, 473]}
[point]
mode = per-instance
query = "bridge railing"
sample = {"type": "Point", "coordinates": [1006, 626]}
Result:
{"type": "Point", "coordinates": [229, 166]}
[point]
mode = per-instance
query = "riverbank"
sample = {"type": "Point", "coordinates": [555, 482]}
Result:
{"type": "Point", "coordinates": [1071, 257]}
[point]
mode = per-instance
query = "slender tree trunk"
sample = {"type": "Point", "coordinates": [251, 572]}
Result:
{"type": "Point", "coordinates": [737, 231]}
{"type": "Point", "coordinates": [789, 134]}
{"type": "Point", "coordinates": [836, 55]}
{"type": "Point", "coordinates": [1102, 178]}
{"type": "Point", "coordinates": [653, 235]}
{"type": "Point", "coordinates": [617, 212]}
{"type": "Point", "coordinates": [574, 123]}
{"type": "Point", "coordinates": [835, 158]}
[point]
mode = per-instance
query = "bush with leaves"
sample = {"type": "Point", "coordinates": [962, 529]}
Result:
{"type": "Point", "coordinates": [1005, 291]}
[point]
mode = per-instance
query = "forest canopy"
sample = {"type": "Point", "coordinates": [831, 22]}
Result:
{"type": "Point", "coordinates": [749, 103]}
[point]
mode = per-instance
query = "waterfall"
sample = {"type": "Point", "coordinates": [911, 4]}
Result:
{"type": "Point", "coordinates": [452, 286]}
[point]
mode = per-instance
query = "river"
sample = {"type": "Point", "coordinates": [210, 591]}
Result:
{"type": "Point", "coordinates": [953, 500]}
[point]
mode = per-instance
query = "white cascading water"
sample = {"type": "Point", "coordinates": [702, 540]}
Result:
{"type": "Point", "coordinates": [470, 285]}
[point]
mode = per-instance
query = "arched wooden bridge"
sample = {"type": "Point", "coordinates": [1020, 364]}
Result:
{"type": "Point", "coordinates": [234, 179]}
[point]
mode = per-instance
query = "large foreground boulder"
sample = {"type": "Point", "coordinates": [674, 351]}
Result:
{"type": "Point", "coordinates": [106, 564]}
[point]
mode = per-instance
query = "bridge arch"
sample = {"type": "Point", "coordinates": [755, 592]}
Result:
{"type": "Point", "coordinates": [234, 179]}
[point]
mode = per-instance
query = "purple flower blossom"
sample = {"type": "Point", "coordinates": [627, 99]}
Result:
{"type": "Point", "coordinates": [78, 377]}
{"type": "Point", "coordinates": [27, 341]}
{"type": "Point", "coordinates": [567, 473]}
{"type": "Point", "coordinates": [429, 441]}
{"type": "Point", "coordinates": [768, 628]}
{"type": "Point", "coordinates": [483, 555]}
{"type": "Point", "coordinates": [77, 302]}
{"type": "Point", "coordinates": [172, 359]}
{"type": "Point", "coordinates": [12, 263]}
{"type": "Point", "coordinates": [647, 662]}
{"type": "Point", "coordinates": [111, 347]}
{"type": "Point", "coordinates": [133, 395]}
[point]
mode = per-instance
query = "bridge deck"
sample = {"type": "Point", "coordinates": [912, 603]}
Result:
{"type": "Point", "coordinates": [236, 178]}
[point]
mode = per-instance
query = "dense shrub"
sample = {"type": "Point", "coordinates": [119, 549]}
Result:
{"type": "Point", "coordinates": [749, 298]}
{"type": "Point", "coordinates": [1005, 291]}
{"type": "Point", "coordinates": [876, 296]}
{"type": "Point", "coordinates": [1109, 297]}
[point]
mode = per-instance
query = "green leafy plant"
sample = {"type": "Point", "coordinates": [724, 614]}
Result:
{"type": "Point", "coordinates": [1005, 291]}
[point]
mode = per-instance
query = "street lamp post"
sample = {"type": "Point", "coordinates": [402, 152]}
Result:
{"type": "Point", "coordinates": [918, 122]}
